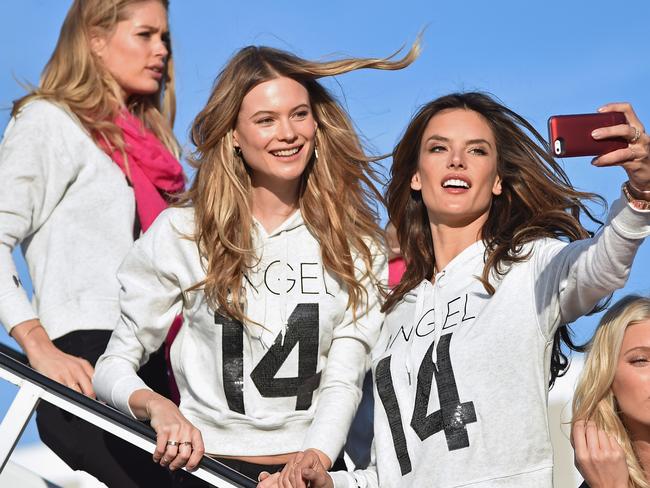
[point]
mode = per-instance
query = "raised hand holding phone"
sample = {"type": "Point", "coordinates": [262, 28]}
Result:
{"type": "Point", "coordinates": [635, 158]}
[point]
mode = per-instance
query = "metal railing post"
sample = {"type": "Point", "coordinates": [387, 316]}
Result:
{"type": "Point", "coordinates": [16, 419]}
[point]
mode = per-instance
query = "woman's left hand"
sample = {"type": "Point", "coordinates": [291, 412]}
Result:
{"type": "Point", "coordinates": [635, 158]}
{"type": "Point", "coordinates": [291, 474]}
{"type": "Point", "coordinates": [598, 456]}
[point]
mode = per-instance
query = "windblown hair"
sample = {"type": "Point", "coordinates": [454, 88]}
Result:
{"type": "Point", "coordinates": [75, 78]}
{"type": "Point", "coordinates": [337, 194]}
{"type": "Point", "coordinates": [537, 201]}
{"type": "Point", "coordinates": [593, 398]}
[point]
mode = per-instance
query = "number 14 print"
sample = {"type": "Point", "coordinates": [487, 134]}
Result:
{"type": "Point", "coordinates": [302, 331]}
{"type": "Point", "coordinates": [452, 417]}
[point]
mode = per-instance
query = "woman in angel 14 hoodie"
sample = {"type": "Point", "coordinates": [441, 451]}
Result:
{"type": "Point", "coordinates": [274, 260]}
{"type": "Point", "coordinates": [497, 265]}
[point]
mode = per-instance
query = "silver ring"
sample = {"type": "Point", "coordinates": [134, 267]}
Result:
{"type": "Point", "coordinates": [637, 135]}
{"type": "Point", "coordinates": [173, 443]}
{"type": "Point", "coordinates": [186, 443]}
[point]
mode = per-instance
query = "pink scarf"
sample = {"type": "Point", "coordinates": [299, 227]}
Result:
{"type": "Point", "coordinates": [152, 170]}
{"type": "Point", "coordinates": [396, 268]}
{"type": "Point", "coordinates": [154, 173]}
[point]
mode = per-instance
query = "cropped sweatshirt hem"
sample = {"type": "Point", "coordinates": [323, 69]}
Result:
{"type": "Point", "coordinates": [225, 439]}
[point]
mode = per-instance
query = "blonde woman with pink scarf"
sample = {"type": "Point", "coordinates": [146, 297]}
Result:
{"type": "Point", "coordinates": [88, 161]}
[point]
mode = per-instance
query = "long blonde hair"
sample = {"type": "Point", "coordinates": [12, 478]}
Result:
{"type": "Point", "coordinates": [593, 398]}
{"type": "Point", "coordinates": [337, 193]}
{"type": "Point", "coordinates": [76, 79]}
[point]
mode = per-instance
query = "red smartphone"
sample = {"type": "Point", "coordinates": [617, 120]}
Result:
{"type": "Point", "coordinates": [570, 135]}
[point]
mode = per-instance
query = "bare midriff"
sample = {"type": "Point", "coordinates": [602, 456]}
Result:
{"type": "Point", "coordinates": [275, 459]}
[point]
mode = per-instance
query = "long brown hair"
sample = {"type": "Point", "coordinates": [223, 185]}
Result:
{"type": "Point", "coordinates": [75, 79]}
{"type": "Point", "coordinates": [537, 201]}
{"type": "Point", "coordinates": [593, 398]}
{"type": "Point", "coordinates": [338, 191]}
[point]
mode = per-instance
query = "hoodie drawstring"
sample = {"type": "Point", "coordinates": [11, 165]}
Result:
{"type": "Point", "coordinates": [423, 291]}
{"type": "Point", "coordinates": [419, 309]}
{"type": "Point", "coordinates": [438, 329]}
{"type": "Point", "coordinates": [270, 254]}
{"type": "Point", "coordinates": [284, 283]}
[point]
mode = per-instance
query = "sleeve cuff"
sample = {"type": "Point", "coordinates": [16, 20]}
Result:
{"type": "Point", "coordinates": [331, 450]}
{"type": "Point", "coordinates": [342, 479]}
{"type": "Point", "coordinates": [123, 390]}
{"type": "Point", "coordinates": [15, 308]}
{"type": "Point", "coordinates": [629, 222]}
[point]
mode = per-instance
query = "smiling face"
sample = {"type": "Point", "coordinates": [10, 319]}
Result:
{"type": "Point", "coordinates": [631, 385]}
{"type": "Point", "coordinates": [276, 131]}
{"type": "Point", "coordinates": [457, 168]}
{"type": "Point", "coordinates": [135, 51]}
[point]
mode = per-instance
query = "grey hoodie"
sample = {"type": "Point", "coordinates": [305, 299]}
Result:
{"type": "Point", "coordinates": [290, 384]}
{"type": "Point", "coordinates": [461, 377]}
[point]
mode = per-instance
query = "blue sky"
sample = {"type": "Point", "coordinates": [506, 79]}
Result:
{"type": "Point", "coordinates": [539, 58]}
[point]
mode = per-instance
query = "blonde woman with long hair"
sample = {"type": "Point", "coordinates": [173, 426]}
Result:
{"type": "Point", "coordinates": [87, 162]}
{"type": "Point", "coordinates": [611, 424]}
{"type": "Point", "coordinates": [274, 258]}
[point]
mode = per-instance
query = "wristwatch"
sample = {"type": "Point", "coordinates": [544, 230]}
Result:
{"type": "Point", "coordinates": [635, 202]}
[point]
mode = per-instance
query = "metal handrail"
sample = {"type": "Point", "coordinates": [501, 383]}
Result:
{"type": "Point", "coordinates": [14, 368]}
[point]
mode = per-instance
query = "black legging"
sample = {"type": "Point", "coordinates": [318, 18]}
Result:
{"type": "Point", "coordinates": [86, 447]}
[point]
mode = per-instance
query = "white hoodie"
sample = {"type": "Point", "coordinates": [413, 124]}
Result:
{"type": "Point", "coordinates": [461, 377]}
{"type": "Point", "coordinates": [251, 390]}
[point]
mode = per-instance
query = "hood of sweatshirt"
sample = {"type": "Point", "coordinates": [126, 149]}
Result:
{"type": "Point", "coordinates": [426, 302]}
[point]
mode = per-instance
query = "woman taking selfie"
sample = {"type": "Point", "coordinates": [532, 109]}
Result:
{"type": "Point", "coordinates": [274, 258]}
{"type": "Point", "coordinates": [86, 163]}
{"type": "Point", "coordinates": [497, 265]}
{"type": "Point", "coordinates": [610, 413]}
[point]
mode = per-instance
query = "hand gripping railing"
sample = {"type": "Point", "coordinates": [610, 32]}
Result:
{"type": "Point", "coordinates": [35, 387]}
